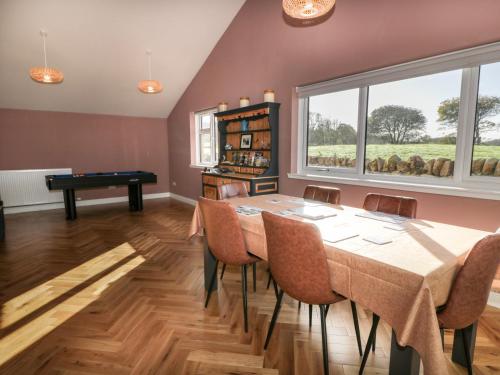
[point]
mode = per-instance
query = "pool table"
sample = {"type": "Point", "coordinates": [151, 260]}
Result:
{"type": "Point", "coordinates": [68, 183]}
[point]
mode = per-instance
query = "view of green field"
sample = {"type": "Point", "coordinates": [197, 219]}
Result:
{"type": "Point", "coordinates": [426, 151]}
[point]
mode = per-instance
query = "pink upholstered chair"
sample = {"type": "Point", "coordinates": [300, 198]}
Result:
{"type": "Point", "coordinates": [468, 296]}
{"type": "Point", "coordinates": [225, 241]}
{"type": "Point", "coordinates": [322, 194]}
{"type": "Point", "coordinates": [391, 204]}
{"type": "Point", "coordinates": [232, 190]}
{"type": "Point", "coordinates": [298, 263]}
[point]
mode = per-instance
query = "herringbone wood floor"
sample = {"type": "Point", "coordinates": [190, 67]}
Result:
{"type": "Point", "coordinates": [116, 292]}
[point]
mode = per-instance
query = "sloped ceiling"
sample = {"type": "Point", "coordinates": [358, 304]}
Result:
{"type": "Point", "coordinates": [100, 45]}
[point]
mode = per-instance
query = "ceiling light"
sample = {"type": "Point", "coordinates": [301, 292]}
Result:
{"type": "Point", "coordinates": [307, 9]}
{"type": "Point", "coordinates": [45, 74]}
{"type": "Point", "coordinates": [150, 86]}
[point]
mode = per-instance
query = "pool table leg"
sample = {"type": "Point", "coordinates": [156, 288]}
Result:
{"type": "Point", "coordinates": [135, 197]}
{"type": "Point", "coordinates": [70, 204]}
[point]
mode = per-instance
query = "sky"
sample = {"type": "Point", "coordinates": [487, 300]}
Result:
{"type": "Point", "coordinates": [424, 93]}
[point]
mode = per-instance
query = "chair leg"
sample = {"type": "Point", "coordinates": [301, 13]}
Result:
{"type": "Point", "coordinates": [310, 316]}
{"type": "Point", "coordinates": [274, 318]}
{"type": "Point", "coordinates": [441, 331]}
{"type": "Point", "coordinates": [369, 343]}
{"type": "Point", "coordinates": [326, 310]}
{"type": "Point", "coordinates": [223, 270]}
{"type": "Point", "coordinates": [244, 290]}
{"type": "Point", "coordinates": [212, 281]}
{"type": "Point", "coordinates": [324, 339]}
{"type": "Point", "coordinates": [276, 291]}
{"type": "Point", "coordinates": [467, 352]}
{"type": "Point", "coordinates": [356, 326]}
{"type": "Point", "coordinates": [374, 341]}
{"type": "Point", "coordinates": [254, 269]}
{"type": "Point", "coordinates": [300, 304]}
{"type": "Point", "coordinates": [269, 279]}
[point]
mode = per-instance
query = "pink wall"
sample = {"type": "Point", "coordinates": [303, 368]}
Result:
{"type": "Point", "coordinates": [85, 143]}
{"type": "Point", "coordinates": [260, 50]}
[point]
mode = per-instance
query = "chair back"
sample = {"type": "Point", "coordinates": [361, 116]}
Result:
{"type": "Point", "coordinates": [322, 194]}
{"type": "Point", "coordinates": [297, 259]}
{"type": "Point", "coordinates": [222, 228]}
{"type": "Point", "coordinates": [234, 189]}
{"type": "Point", "coordinates": [471, 288]}
{"type": "Point", "coordinates": [391, 204]}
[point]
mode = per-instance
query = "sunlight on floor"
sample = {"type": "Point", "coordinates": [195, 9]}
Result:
{"type": "Point", "coordinates": [30, 301]}
{"type": "Point", "coordinates": [37, 328]}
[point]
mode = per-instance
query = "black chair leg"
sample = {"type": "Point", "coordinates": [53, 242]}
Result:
{"type": "Point", "coordinates": [467, 352]}
{"type": "Point", "coordinates": [269, 279]}
{"type": "Point", "coordinates": [274, 318]}
{"type": "Point", "coordinates": [300, 304]}
{"type": "Point", "coordinates": [356, 326]}
{"type": "Point", "coordinates": [310, 316]}
{"type": "Point", "coordinates": [212, 281]}
{"type": "Point", "coordinates": [374, 341]}
{"type": "Point", "coordinates": [369, 343]}
{"type": "Point", "coordinates": [223, 270]}
{"type": "Point", "coordinates": [244, 290]}
{"type": "Point", "coordinates": [324, 339]}
{"type": "Point", "coordinates": [254, 269]}
{"type": "Point", "coordinates": [441, 331]}
{"type": "Point", "coordinates": [276, 291]}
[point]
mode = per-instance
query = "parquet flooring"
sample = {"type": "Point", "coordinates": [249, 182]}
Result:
{"type": "Point", "coordinates": [116, 292]}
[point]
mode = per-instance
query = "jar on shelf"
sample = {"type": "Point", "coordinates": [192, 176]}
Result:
{"type": "Point", "coordinates": [269, 96]}
{"type": "Point", "coordinates": [244, 101]}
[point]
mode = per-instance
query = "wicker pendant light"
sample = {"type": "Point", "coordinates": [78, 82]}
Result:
{"type": "Point", "coordinates": [307, 9]}
{"type": "Point", "coordinates": [150, 86]}
{"type": "Point", "coordinates": [45, 74]}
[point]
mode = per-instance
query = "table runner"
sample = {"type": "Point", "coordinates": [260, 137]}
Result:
{"type": "Point", "coordinates": [402, 281]}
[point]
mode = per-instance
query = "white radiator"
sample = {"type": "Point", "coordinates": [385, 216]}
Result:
{"type": "Point", "coordinates": [27, 187]}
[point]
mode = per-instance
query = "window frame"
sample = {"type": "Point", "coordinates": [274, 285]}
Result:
{"type": "Point", "coordinates": [214, 138]}
{"type": "Point", "coordinates": [462, 182]}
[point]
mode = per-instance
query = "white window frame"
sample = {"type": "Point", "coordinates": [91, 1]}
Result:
{"type": "Point", "coordinates": [214, 137]}
{"type": "Point", "coordinates": [462, 183]}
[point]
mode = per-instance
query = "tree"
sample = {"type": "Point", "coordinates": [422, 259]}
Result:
{"type": "Point", "coordinates": [487, 106]}
{"type": "Point", "coordinates": [397, 124]}
{"type": "Point", "coordinates": [324, 131]}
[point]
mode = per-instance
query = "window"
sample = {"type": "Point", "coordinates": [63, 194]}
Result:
{"type": "Point", "coordinates": [332, 128]}
{"type": "Point", "coordinates": [206, 138]}
{"type": "Point", "coordinates": [428, 125]}
{"type": "Point", "coordinates": [486, 137]}
{"type": "Point", "coordinates": [407, 128]}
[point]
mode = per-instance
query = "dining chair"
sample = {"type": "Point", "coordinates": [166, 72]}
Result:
{"type": "Point", "coordinates": [322, 194]}
{"type": "Point", "coordinates": [226, 243]}
{"type": "Point", "coordinates": [468, 296]}
{"type": "Point", "coordinates": [232, 190]}
{"type": "Point", "coordinates": [235, 190]}
{"type": "Point", "coordinates": [391, 204]}
{"type": "Point", "coordinates": [298, 263]}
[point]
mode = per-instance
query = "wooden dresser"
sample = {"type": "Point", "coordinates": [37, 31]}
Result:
{"type": "Point", "coordinates": [248, 150]}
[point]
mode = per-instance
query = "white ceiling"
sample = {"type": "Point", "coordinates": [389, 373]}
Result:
{"type": "Point", "coordinates": [100, 45]}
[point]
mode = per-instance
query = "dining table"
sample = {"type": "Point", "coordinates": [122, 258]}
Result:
{"type": "Point", "coordinates": [401, 269]}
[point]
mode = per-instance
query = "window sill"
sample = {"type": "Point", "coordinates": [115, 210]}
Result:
{"type": "Point", "coordinates": [199, 166]}
{"type": "Point", "coordinates": [423, 187]}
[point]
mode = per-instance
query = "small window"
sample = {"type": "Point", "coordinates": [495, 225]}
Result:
{"type": "Point", "coordinates": [332, 129]}
{"type": "Point", "coordinates": [206, 138]}
{"type": "Point", "coordinates": [486, 138]}
{"type": "Point", "coordinates": [412, 126]}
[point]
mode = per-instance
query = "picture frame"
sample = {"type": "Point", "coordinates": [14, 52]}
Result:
{"type": "Point", "coordinates": [246, 141]}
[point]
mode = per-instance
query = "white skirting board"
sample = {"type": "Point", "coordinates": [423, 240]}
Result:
{"type": "Point", "coordinates": [88, 202]}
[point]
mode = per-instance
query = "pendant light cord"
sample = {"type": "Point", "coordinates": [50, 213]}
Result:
{"type": "Point", "coordinates": [44, 36]}
{"type": "Point", "coordinates": [149, 63]}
